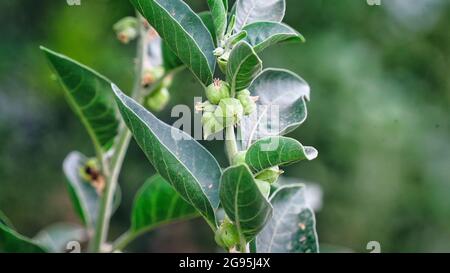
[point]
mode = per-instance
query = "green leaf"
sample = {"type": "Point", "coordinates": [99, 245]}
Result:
{"type": "Point", "coordinates": [249, 11]}
{"type": "Point", "coordinates": [184, 32]}
{"type": "Point", "coordinates": [243, 66]}
{"type": "Point", "coordinates": [157, 203]}
{"type": "Point", "coordinates": [292, 228]}
{"type": "Point", "coordinates": [277, 151]}
{"type": "Point", "coordinates": [89, 95]}
{"type": "Point", "coordinates": [5, 220]}
{"type": "Point", "coordinates": [219, 14]}
{"type": "Point", "coordinates": [55, 237]}
{"type": "Point", "coordinates": [264, 34]}
{"type": "Point", "coordinates": [243, 202]}
{"type": "Point", "coordinates": [170, 60]}
{"type": "Point", "coordinates": [13, 242]}
{"type": "Point", "coordinates": [84, 196]}
{"type": "Point", "coordinates": [281, 105]}
{"type": "Point", "coordinates": [178, 158]}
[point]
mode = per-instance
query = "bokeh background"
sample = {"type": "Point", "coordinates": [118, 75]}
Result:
{"type": "Point", "coordinates": [379, 116]}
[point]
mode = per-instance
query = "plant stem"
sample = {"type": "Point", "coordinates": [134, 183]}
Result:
{"type": "Point", "coordinates": [230, 143]}
{"type": "Point", "coordinates": [112, 171]}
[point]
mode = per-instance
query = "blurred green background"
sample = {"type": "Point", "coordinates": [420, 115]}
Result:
{"type": "Point", "coordinates": [379, 116]}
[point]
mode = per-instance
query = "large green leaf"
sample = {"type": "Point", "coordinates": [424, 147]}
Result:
{"type": "Point", "coordinates": [243, 202]}
{"type": "Point", "coordinates": [13, 242]}
{"type": "Point", "coordinates": [84, 196]}
{"type": "Point", "coordinates": [178, 158]}
{"type": "Point", "coordinates": [89, 95]}
{"type": "Point", "coordinates": [277, 151]}
{"type": "Point", "coordinates": [219, 15]}
{"type": "Point", "coordinates": [157, 203]}
{"type": "Point", "coordinates": [249, 11]}
{"type": "Point", "coordinates": [264, 34]}
{"type": "Point", "coordinates": [243, 66]}
{"type": "Point", "coordinates": [292, 228]}
{"type": "Point", "coordinates": [184, 32]}
{"type": "Point", "coordinates": [281, 105]}
{"type": "Point", "coordinates": [170, 60]}
{"type": "Point", "coordinates": [55, 237]}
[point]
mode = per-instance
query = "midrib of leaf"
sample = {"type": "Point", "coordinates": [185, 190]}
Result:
{"type": "Point", "coordinates": [248, 13]}
{"type": "Point", "coordinates": [277, 222]}
{"type": "Point", "coordinates": [184, 32]}
{"type": "Point", "coordinates": [142, 123]}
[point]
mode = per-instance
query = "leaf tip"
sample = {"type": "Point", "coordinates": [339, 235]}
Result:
{"type": "Point", "coordinates": [311, 153]}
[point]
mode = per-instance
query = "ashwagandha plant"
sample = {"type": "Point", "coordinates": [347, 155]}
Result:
{"type": "Point", "coordinates": [245, 204]}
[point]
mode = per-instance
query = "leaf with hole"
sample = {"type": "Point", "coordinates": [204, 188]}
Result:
{"type": "Point", "coordinates": [84, 197]}
{"type": "Point", "coordinates": [156, 204]}
{"type": "Point", "coordinates": [292, 228]}
{"type": "Point", "coordinates": [243, 66]}
{"type": "Point", "coordinates": [55, 237]}
{"type": "Point", "coordinates": [264, 34]}
{"type": "Point", "coordinates": [13, 242]}
{"type": "Point", "coordinates": [183, 162]}
{"type": "Point", "coordinates": [250, 11]}
{"type": "Point", "coordinates": [184, 32]}
{"type": "Point", "coordinates": [243, 202]}
{"type": "Point", "coordinates": [281, 106]}
{"type": "Point", "coordinates": [89, 95]}
{"type": "Point", "coordinates": [277, 151]}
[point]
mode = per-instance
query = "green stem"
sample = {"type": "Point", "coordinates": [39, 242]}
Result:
{"type": "Point", "coordinates": [111, 172]}
{"type": "Point", "coordinates": [230, 143]}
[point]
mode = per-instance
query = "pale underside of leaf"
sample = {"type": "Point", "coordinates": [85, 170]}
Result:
{"type": "Point", "coordinates": [184, 32]}
{"type": "Point", "coordinates": [84, 196]}
{"type": "Point", "coordinates": [56, 237]}
{"type": "Point", "coordinates": [250, 11]}
{"type": "Point", "coordinates": [292, 228]}
{"type": "Point", "coordinates": [178, 158]}
{"type": "Point", "coordinates": [281, 106]}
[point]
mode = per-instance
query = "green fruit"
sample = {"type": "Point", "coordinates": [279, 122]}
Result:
{"type": "Point", "coordinates": [126, 29]}
{"type": "Point", "coordinates": [227, 235]}
{"type": "Point", "coordinates": [217, 91]}
{"type": "Point", "coordinates": [210, 124]}
{"type": "Point", "coordinates": [247, 102]}
{"type": "Point", "coordinates": [239, 158]}
{"type": "Point", "coordinates": [229, 112]}
{"type": "Point", "coordinates": [263, 187]}
{"type": "Point", "coordinates": [158, 100]}
{"type": "Point", "coordinates": [270, 175]}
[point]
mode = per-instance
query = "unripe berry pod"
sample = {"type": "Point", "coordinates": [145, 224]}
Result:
{"type": "Point", "coordinates": [227, 235]}
{"type": "Point", "coordinates": [229, 112]}
{"type": "Point", "coordinates": [158, 100]}
{"type": "Point", "coordinates": [126, 29]}
{"type": "Point", "coordinates": [217, 91]}
{"type": "Point", "coordinates": [210, 124]}
{"type": "Point", "coordinates": [270, 175]}
{"type": "Point", "coordinates": [248, 103]}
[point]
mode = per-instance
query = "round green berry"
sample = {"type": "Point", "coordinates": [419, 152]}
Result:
{"type": "Point", "coordinates": [217, 91]}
